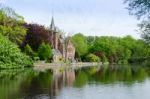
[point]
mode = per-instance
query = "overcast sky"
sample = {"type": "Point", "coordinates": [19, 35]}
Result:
{"type": "Point", "coordinates": [90, 17]}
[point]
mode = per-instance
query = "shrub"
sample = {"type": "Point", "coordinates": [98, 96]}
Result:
{"type": "Point", "coordinates": [11, 56]}
{"type": "Point", "coordinates": [28, 50]}
{"type": "Point", "coordinates": [103, 58]}
{"type": "Point", "coordinates": [91, 58]}
{"type": "Point", "coordinates": [123, 61]}
{"type": "Point", "coordinates": [44, 51]}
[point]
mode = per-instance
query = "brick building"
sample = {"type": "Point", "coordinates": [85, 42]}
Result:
{"type": "Point", "coordinates": [62, 48]}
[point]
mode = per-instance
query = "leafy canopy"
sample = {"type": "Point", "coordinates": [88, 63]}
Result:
{"type": "Point", "coordinates": [80, 44]}
{"type": "Point", "coordinates": [44, 51]}
{"type": "Point", "coordinates": [141, 9]}
{"type": "Point", "coordinates": [11, 56]}
{"type": "Point", "coordinates": [11, 25]}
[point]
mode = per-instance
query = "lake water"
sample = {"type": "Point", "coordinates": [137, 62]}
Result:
{"type": "Point", "coordinates": [105, 82]}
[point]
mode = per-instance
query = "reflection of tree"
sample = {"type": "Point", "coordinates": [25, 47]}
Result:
{"type": "Point", "coordinates": [31, 84]}
{"type": "Point", "coordinates": [9, 82]}
{"type": "Point", "coordinates": [81, 79]}
{"type": "Point", "coordinates": [84, 75]}
{"type": "Point", "coordinates": [140, 75]}
{"type": "Point", "coordinates": [111, 74]}
{"type": "Point", "coordinates": [47, 84]}
{"type": "Point", "coordinates": [36, 84]}
{"type": "Point", "coordinates": [124, 74]}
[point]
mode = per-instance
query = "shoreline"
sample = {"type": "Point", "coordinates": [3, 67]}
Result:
{"type": "Point", "coordinates": [44, 66]}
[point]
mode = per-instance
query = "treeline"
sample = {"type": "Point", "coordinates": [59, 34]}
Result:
{"type": "Point", "coordinates": [12, 34]}
{"type": "Point", "coordinates": [121, 50]}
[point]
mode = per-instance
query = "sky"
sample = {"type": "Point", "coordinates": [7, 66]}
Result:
{"type": "Point", "coordinates": [90, 17]}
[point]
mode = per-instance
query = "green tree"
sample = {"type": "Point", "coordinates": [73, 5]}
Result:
{"type": "Point", "coordinates": [91, 58]}
{"type": "Point", "coordinates": [28, 50]}
{"type": "Point", "coordinates": [11, 56]}
{"type": "Point", "coordinates": [80, 44]}
{"type": "Point", "coordinates": [103, 58]}
{"type": "Point", "coordinates": [104, 48]}
{"type": "Point", "coordinates": [119, 50]}
{"type": "Point", "coordinates": [11, 25]}
{"type": "Point", "coordinates": [141, 9]}
{"type": "Point", "coordinates": [44, 51]}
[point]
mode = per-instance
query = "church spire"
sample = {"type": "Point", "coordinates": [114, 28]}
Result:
{"type": "Point", "coordinates": [52, 26]}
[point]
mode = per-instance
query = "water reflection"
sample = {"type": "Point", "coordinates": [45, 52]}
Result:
{"type": "Point", "coordinates": [30, 84]}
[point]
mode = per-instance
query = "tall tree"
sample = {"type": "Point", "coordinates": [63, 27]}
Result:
{"type": "Point", "coordinates": [36, 34]}
{"type": "Point", "coordinates": [11, 25]}
{"type": "Point", "coordinates": [44, 51]}
{"type": "Point", "coordinates": [80, 44]}
{"type": "Point", "coordinates": [145, 30]}
{"type": "Point", "coordinates": [141, 9]}
{"type": "Point", "coordinates": [11, 56]}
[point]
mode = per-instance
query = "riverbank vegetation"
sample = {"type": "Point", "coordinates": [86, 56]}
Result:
{"type": "Point", "coordinates": [121, 50]}
{"type": "Point", "coordinates": [11, 56]}
{"type": "Point", "coordinates": [11, 35]}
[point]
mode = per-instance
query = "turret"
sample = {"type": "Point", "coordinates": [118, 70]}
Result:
{"type": "Point", "coordinates": [54, 35]}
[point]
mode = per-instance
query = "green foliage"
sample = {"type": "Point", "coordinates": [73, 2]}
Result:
{"type": "Point", "coordinates": [103, 58]}
{"type": "Point", "coordinates": [141, 9]}
{"type": "Point", "coordinates": [11, 56]}
{"type": "Point", "coordinates": [80, 44]}
{"type": "Point", "coordinates": [44, 51]}
{"type": "Point", "coordinates": [28, 50]}
{"type": "Point", "coordinates": [118, 50]}
{"type": "Point", "coordinates": [111, 49]}
{"type": "Point", "coordinates": [91, 58]}
{"type": "Point", "coordinates": [11, 25]}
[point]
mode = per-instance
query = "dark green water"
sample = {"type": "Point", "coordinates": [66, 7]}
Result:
{"type": "Point", "coordinates": [107, 82]}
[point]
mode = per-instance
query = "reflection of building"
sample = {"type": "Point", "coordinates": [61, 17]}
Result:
{"type": "Point", "coordinates": [62, 48]}
{"type": "Point", "coordinates": [69, 77]}
{"type": "Point", "coordinates": [60, 79]}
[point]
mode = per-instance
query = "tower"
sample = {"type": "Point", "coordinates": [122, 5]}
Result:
{"type": "Point", "coordinates": [54, 35]}
{"type": "Point", "coordinates": [52, 26]}
{"type": "Point", "coordinates": [51, 35]}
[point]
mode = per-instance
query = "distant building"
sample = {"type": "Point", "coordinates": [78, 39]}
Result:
{"type": "Point", "coordinates": [62, 48]}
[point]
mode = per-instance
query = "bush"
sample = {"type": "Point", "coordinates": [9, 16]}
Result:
{"type": "Point", "coordinates": [11, 56]}
{"type": "Point", "coordinates": [123, 61]}
{"type": "Point", "coordinates": [103, 58]}
{"type": "Point", "coordinates": [44, 51]}
{"type": "Point", "coordinates": [28, 50]}
{"type": "Point", "coordinates": [91, 58]}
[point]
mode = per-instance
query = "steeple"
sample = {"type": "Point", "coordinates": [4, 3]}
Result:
{"type": "Point", "coordinates": [52, 26]}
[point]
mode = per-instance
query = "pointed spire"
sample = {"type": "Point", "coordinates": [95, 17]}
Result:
{"type": "Point", "coordinates": [52, 26]}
